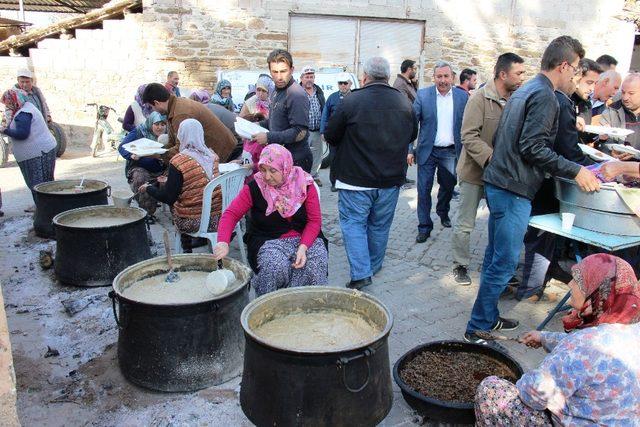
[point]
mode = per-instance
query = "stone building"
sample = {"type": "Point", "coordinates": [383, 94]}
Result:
{"type": "Point", "coordinates": [198, 38]}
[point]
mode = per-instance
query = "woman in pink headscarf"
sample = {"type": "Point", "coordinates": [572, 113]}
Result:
{"type": "Point", "coordinates": [284, 238]}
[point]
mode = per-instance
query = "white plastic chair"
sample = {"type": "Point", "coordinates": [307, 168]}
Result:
{"type": "Point", "coordinates": [230, 183]}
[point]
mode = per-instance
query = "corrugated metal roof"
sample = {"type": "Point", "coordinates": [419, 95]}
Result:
{"type": "Point", "coordinates": [58, 6]}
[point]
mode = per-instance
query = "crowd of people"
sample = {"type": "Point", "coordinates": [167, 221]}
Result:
{"type": "Point", "coordinates": [502, 141]}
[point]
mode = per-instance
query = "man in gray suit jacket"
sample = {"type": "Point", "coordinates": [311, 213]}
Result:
{"type": "Point", "coordinates": [439, 109]}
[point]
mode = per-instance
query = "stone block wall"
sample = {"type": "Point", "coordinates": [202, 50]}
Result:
{"type": "Point", "coordinates": [239, 34]}
{"type": "Point", "coordinates": [103, 66]}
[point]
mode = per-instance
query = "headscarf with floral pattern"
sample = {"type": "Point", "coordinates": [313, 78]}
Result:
{"type": "Point", "coordinates": [291, 194]}
{"type": "Point", "coordinates": [611, 290]}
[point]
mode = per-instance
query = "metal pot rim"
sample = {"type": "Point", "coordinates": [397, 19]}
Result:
{"type": "Point", "coordinates": [38, 188]}
{"type": "Point", "coordinates": [244, 317]}
{"type": "Point", "coordinates": [444, 403]}
{"type": "Point", "coordinates": [56, 219]}
{"type": "Point", "coordinates": [176, 258]}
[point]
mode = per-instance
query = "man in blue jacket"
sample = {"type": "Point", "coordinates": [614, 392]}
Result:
{"type": "Point", "coordinates": [334, 100]}
{"type": "Point", "coordinates": [439, 110]}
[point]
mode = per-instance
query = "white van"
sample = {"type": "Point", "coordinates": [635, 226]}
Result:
{"type": "Point", "coordinates": [242, 80]}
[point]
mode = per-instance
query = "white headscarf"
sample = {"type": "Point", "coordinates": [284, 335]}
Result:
{"type": "Point", "coordinates": [191, 137]}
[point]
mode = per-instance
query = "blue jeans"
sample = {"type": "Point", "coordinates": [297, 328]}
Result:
{"type": "Point", "coordinates": [444, 160]}
{"type": "Point", "coordinates": [508, 219]}
{"type": "Point", "coordinates": [365, 220]}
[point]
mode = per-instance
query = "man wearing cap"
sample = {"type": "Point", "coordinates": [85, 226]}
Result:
{"type": "Point", "coordinates": [35, 96]}
{"type": "Point", "coordinates": [316, 105]}
{"type": "Point", "coordinates": [334, 100]}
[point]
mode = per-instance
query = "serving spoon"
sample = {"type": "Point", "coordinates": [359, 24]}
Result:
{"type": "Point", "coordinates": [486, 335]}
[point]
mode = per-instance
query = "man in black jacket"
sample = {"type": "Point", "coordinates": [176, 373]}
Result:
{"type": "Point", "coordinates": [288, 121]}
{"type": "Point", "coordinates": [540, 263]}
{"type": "Point", "coordinates": [371, 130]}
{"type": "Point", "coordinates": [522, 155]}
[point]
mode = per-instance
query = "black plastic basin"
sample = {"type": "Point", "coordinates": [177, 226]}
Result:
{"type": "Point", "coordinates": [440, 410]}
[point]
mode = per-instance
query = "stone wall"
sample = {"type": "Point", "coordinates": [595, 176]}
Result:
{"type": "Point", "coordinates": [197, 38]}
{"type": "Point", "coordinates": [239, 34]}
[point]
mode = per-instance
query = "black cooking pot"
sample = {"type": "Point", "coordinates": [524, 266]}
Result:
{"type": "Point", "coordinates": [346, 387]}
{"type": "Point", "coordinates": [180, 347]}
{"type": "Point", "coordinates": [440, 410]}
{"type": "Point", "coordinates": [93, 256]}
{"type": "Point", "coordinates": [54, 197]}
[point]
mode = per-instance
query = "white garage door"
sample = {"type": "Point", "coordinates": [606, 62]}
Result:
{"type": "Point", "coordinates": [395, 41]}
{"type": "Point", "coordinates": [348, 42]}
{"type": "Point", "coordinates": [324, 42]}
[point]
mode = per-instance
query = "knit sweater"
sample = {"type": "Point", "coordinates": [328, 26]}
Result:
{"type": "Point", "coordinates": [39, 139]}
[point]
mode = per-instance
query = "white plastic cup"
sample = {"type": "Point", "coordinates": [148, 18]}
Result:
{"type": "Point", "coordinates": [567, 221]}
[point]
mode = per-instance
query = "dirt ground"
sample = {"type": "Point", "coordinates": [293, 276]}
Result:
{"type": "Point", "coordinates": [66, 366]}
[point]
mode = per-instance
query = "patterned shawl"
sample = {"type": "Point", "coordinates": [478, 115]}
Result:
{"type": "Point", "coordinates": [13, 99]}
{"type": "Point", "coordinates": [217, 97]}
{"type": "Point", "coordinates": [146, 108]}
{"type": "Point", "coordinates": [291, 194]}
{"type": "Point", "coordinates": [611, 291]}
{"type": "Point", "coordinates": [146, 129]}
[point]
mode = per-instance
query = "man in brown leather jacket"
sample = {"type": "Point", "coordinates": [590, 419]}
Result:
{"type": "Point", "coordinates": [216, 135]}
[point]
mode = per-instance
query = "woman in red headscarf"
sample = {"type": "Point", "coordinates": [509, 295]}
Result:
{"type": "Point", "coordinates": [592, 374]}
{"type": "Point", "coordinates": [285, 244]}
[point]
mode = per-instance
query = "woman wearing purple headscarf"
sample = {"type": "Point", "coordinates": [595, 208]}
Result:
{"type": "Point", "coordinates": [201, 95]}
{"type": "Point", "coordinates": [137, 112]}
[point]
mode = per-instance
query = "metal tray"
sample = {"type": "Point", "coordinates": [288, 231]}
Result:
{"type": "Point", "coordinates": [603, 222]}
{"type": "Point", "coordinates": [605, 200]}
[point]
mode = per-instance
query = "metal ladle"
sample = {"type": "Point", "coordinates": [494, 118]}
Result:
{"type": "Point", "coordinates": [218, 280]}
{"type": "Point", "coordinates": [79, 188]}
{"type": "Point", "coordinates": [486, 335]}
{"type": "Point", "coordinates": [172, 276]}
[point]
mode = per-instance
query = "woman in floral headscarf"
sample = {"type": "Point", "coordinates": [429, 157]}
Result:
{"type": "Point", "coordinates": [189, 172]}
{"type": "Point", "coordinates": [140, 170]}
{"type": "Point", "coordinates": [592, 374]}
{"type": "Point", "coordinates": [32, 144]}
{"type": "Point", "coordinates": [255, 109]}
{"type": "Point", "coordinates": [223, 95]}
{"type": "Point", "coordinates": [137, 112]}
{"type": "Point", "coordinates": [285, 244]}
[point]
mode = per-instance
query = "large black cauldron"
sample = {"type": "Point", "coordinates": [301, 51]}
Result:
{"type": "Point", "coordinates": [180, 347]}
{"type": "Point", "coordinates": [439, 410]}
{"type": "Point", "coordinates": [54, 197]}
{"type": "Point", "coordinates": [348, 387]}
{"type": "Point", "coordinates": [93, 254]}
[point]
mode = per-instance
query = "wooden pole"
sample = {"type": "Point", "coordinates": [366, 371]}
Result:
{"type": "Point", "coordinates": [21, 5]}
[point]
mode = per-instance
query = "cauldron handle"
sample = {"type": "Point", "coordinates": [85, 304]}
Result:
{"type": "Point", "coordinates": [114, 297]}
{"type": "Point", "coordinates": [108, 191]}
{"type": "Point", "coordinates": [344, 361]}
